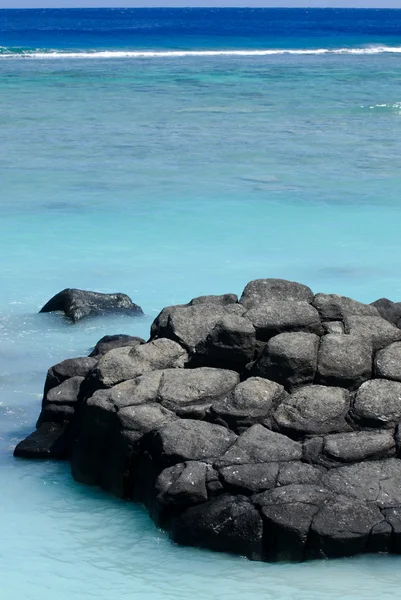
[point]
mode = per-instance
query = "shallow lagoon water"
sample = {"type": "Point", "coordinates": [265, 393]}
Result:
{"type": "Point", "coordinates": [167, 178]}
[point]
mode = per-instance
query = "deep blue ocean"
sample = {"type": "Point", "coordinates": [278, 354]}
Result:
{"type": "Point", "coordinates": [167, 154]}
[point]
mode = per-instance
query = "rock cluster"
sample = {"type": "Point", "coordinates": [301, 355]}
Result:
{"type": "Point", "coordinates": [266, 426]}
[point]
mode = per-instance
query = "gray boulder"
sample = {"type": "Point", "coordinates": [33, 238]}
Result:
{"type": "Point", "coordinates": [274, 317]}
{"type": "Point", "coordinates": [378, 482]}
{"type": "Point", "coordinates": [187, 439]}
{"type": "Point", "coordinates": [77, 304]}
{"type": "Point", "coordinates": [252, 401]}
{"type": "Point", "coordinates": [60, 402]}
{"type": "Point", "coordinates": [125, 363]}
{"type": "Point", "coordinates": [377, 404]}
{"type": "Point", "coordinates": [359, 446]}
{"type": "Point", "coordinates": [71, 367]}
{"type": "Point", "coordinates": [109, 342]}
{"type": "Point", "coordinates": [375, 330]}
{"type": "Point", "coordinates": [182, 484]}
{"type": "Point", "coordinates": [191, 392]}
{"type": "Point", "coordinates": [388, 362]}
{"type": "Point", "coordinates": [222, 300]}
{"type": "Point", "coordinates": [391, 311]}
{"type": "Point", "coordinates": [260, 445]}
{"type": "Point", "coordinates": [344, 361]}
{"type": "Point", "coordinates": [289, 359]}
{"type": "Point", "coordinates": [314, 409]}
{"type": "Point", "coordinates": [249, 478]}
{"type": "Point", "coordinates": [260, 291]}
{"type": "Point", "coordinates": [332, 307]}
{"type": "Point", "coordinates": [231, 344]}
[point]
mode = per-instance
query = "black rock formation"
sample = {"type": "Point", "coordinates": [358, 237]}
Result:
{"type": "Point", "coordinates": [268, 426]}
{"type": "Point", "coordinates": [77, 304]}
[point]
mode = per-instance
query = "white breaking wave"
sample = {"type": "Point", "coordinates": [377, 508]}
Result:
{"type": "Point", "coordinates": [8, 53]}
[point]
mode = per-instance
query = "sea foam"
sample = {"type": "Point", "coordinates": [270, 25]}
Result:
{"type": "Point", "coordinates": [8, 52]}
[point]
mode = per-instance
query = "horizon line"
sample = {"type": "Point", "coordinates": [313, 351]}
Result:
{"type": "Point", "coordinates": [306, 7]}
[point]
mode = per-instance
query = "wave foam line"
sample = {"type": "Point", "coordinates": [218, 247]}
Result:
{"type": "Point", "coordinates": [8, 53]}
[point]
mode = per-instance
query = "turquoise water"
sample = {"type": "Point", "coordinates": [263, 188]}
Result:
{"type": "Point", "coordinates": [167, 178]}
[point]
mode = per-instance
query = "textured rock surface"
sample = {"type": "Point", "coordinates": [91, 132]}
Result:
{"type": "Point", "coordinates": [268, 426]}
{"type": "Point", "coordinates": [77, 304]}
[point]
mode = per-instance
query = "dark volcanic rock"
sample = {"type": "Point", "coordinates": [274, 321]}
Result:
{"type": "Point", "coordinates": [287, 514]}
{"type": "Point", "coordinates": [378, 404]}
{"type": "Point", "coordinates": [49, 441]}
{"type": "Point", "coordinates": [274, 317]}
{"type": "Point", "coordinates": [268, 427]}
{"type": "Point", "coordinates": [234, 519]}
{"type": "Point", "coordinates": [260, 291]}
{"type": "Point", "coordinates": [391, 311]}
{"type": "Point", "coordinates": [313, 410]}
{"type": "Point", "coordinates": [289, 359]}
{"type": "Point", "coordinates": [260, 445]}
{"type": "Point", "coordinates": [388, 362]}
{"type": "Point", "coordinates": [231, 344]}
{"type": "Point", "coordinates": [332, 307]}
{"type": "Point", "coordinates": [109, 342]}
{"type": "Point", "coordinates": [187, 439]}
{"type": "Point", "coordinates": [72, 367]}
{"type": "Point", "coordinates": [344, 360]}
{"type": "Point", "coordinates": [59, 404]}
{"type": "Point", "coordinates": [252, 401]}
{"type": "Point", "coordinates": [77, 304]}
{"type": "Point", "coordinates": [375, 330]}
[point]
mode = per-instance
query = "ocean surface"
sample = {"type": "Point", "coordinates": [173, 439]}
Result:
{"type": "Point", "coordinates": [168, 154]}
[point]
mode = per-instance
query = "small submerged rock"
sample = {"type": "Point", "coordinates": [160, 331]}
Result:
{"type": "Point", "coordinates": [77, 304]}
{"type": "Point", "coordinates": [267, 426]}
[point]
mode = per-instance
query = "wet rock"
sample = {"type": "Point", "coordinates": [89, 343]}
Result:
{"type": "Point", "coordinates": [313, 410]}
{"type": "Point", "coordinates": [377, 404]}
{"type": "Point", "coordinates": [289, 359]}
{"type": "Point", "coordinates": [71, 367]}
{"type": "Point", "coordinates": [60, 402]}
{"type": "Point", "coordinates": [77, 304]}
{"type": "Point", "coordinates": [260, 291]}
{"type": "Point", "coordinates": [287, 515]}
{"type": "Point", "coordinates": [388, 362]}
{"type": "Point", "coordinates": [342, 527]}
{"type": "Point", "coordinates": [109, 342]}
{"type": "Point", "coordinates": [344, 361]}
{"type": "Point", "coordinates": [49, 441]}
{"type": "Point", "coordinates": [238, 523]}
{"type": "Point", "coordinates": [252, 401]}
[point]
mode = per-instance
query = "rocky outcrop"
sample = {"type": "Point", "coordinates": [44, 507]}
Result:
{"type": "Point", "coordinates": [268, 426]}
{"type": "Point", "coordinates": [77, 304]}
